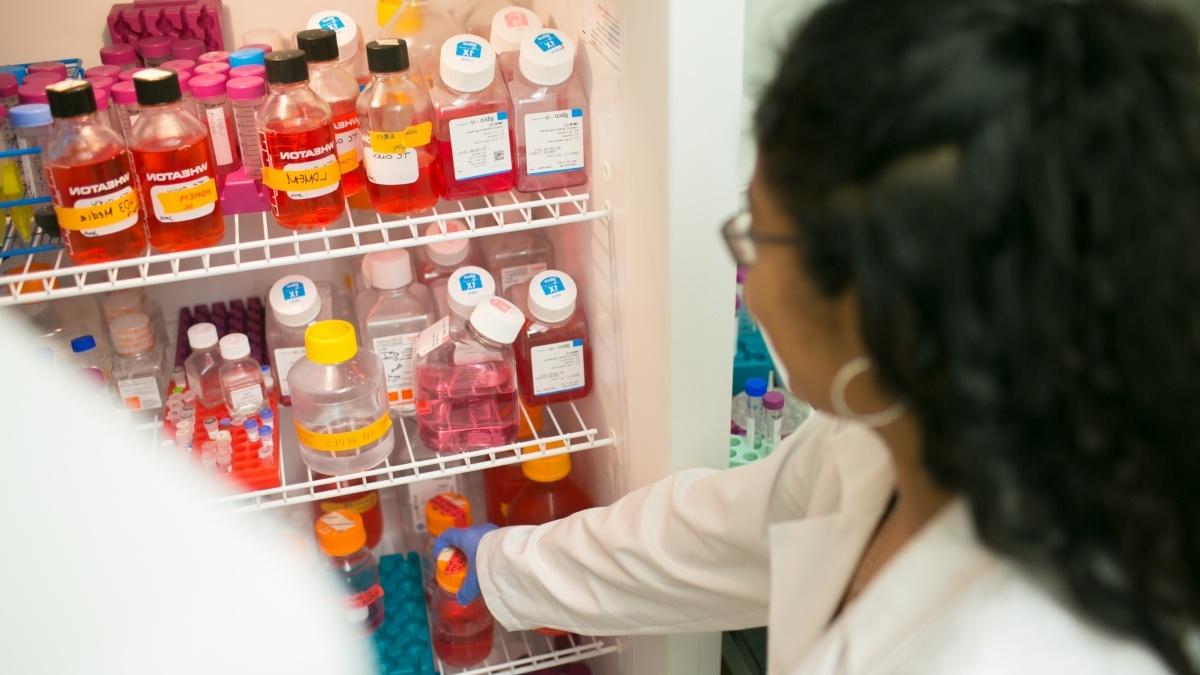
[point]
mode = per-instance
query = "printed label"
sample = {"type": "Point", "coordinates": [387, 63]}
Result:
{"type": "Point", "coordinates": [345, 440]}
{"type": "Point", "coordinates": [140, 393]}
{"type": "Point", "coordinates": [305, 180]}
{"type": "Point", "coordinates": [393, 142]}
{"type": "Point", "coordinates": [285, 358]}
{"type": "Point", "coordinates": [519, 274]}
{"type": "Point", "coordinates": [184, 201]}
{"type": "Point", "coordinates": [421, 492]}
{"type": "Point", "coordinates": [433, 337]}
{"type": "Point", "coordinates": [554, 141]}
{"type": "Point", "coordinates": [548, 42]}
{"type": "Point", "coordinates": [359, 504]}
{"type": "Point", "coordinates": [331, 23]}
{"type": "Point", "coordinates": [468, 49]}
{"type": "Point", "coordinates": [345, 127]}
{"type": "Point", "coordinates": [479, 145]}
{"type": "Point", "coordinates": [365, 598]}
{"type": "Point", "coordinates": [218, 131]}
{"type": "Point", "coordinates": [396, 352]}
{"type": "Point", "coordinates": [98, 216]}
{"type": "Point", "coordinates": [247, 397]}
{"type": "Point", "coordinates": [391, 168]}
{"type": "Point", "coordinates": [557, 367]}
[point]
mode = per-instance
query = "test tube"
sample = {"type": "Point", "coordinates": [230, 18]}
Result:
{"type": "Point", "coordinates": [251, 428]}
{"type": "Point", "coordinates": [224, 423]}
{"type": "Point", "coordinates": [773, 403]}
{"type": "Point", "coordinates": [247, 94]}
{"type": "Point", "coordinates": [266, 417]}
{"type": "Point", "coordinates": [268, 379]}
{"type": "Point", "coordinates": [266, 451]}
{"type": "Point", "coordinates": [179, 378]}
{"type": "Point", "coordinates": [210, 426]}
{"type": "Point", "coordinates": [756, 387]}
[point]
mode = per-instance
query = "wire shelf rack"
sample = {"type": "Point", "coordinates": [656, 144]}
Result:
{"type": "Point", "coordinates": [526, 652]}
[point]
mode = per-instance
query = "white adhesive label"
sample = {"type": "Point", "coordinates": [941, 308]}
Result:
{"type": "Point", "coordinates": [111, 197]}
{"type": "Point", "coordinates": [285, 358]}
{"type": "Point", "coordinates": [519, 274]}
{"type": "Point", "coordinates": [480, 146]}
{"type": "Point", "coordinates": [554, 141]}
{"type": "Point", "coordinates": [247, 397]}
{"type": "Point", "coordinates": [324, 162]}
{"type": "Point", "coordinates": [140, 393]}
{"type": "Point", "coordinates": [557, 367]}
{"type": "Point", "coordinates": [184, 201]}
{"type": "Point", "coordinates": [218, 131]}
{"type": "Point", "coordinates": [433, 337]}
{"type": "Point", "coordinates": [396, 352]}
{"type": "Point", "coordinates": [421, 492]}
{"type": "Point", "coordinates": [391, 169]}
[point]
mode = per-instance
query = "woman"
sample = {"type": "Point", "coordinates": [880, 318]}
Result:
{"type": "Point", "coordinates": [973, 238]}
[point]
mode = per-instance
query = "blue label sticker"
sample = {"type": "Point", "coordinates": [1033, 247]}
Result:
{"type": "Point", "coordinates": [576, 112]}
{"type": "Point", "coordinates": [548, 42]}
{"type": "Point", "coordinates": [501, 116]}
{"type": "Point", "coordinates": [470, 282]}
{"type": "Point", "coordinates": [577, 342]}
{"type": "Point", "coordinates": [471, 50]}
{"type": "Point", "coordinates": [293, 290]}
{"type": "Point", "coordinates": [331, 23]}
{"type": "Point", "coordinates": [552, 285]}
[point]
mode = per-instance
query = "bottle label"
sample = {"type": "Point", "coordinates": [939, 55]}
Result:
{"type": "Point", "coordinates": [344, 440]}
{"type": "Point", "coordinates": [140, 393]}
{"type": "Point", "coordinates": [392, 168]}
{"type": "Point", "coordinates": [479, 145]}
{"type": "Point", "coordinates": [421, 492]}
{"type": "Point", "coordinates": [183, 201]}
{"type": "Point", "coordinates": [345, 128]}
{"type": "Point", "coordinates": [102, 215]}
{"type": "Point", "coordinates": [557, 367]}
{"type": "Point", "coordinates": [396, 352]}
{"type": "Point", "coordinates": [519, 274]}
{"type": "Point", "coordinates": [244, 398]}
{"type": "Point", "coordinates": [365, 598]}
{"type": "Point", "coordinates": [359, 504]}
{"type": "Point", "coordinates": [415, 136]}
{"type": "Point", "coordinates": [433, 337]}
{"type": "Point", "coordinates": [554, 141]}
{"type": "Point", "coordinates": [306, 179]}
{"type": "Point", "coordinates": [285, 358]}
{"type": "Point", "coordinates": [218, 131]}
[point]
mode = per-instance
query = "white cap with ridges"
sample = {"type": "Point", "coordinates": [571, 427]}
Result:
{"type": "Point", "coordinates": [295, 301]}
{"type": "Point", "coordinates": [468, 63]}
{"type": "Point", "coordinates": [498, 320]}
{"type": "Point", "coordinates": [389, 270]}
{"type": "Point", "coordinates": [235, 346]}
{"type": "Point", "coordinates": [467, 287]}
{"type": "Point", "coordinates": [202, 336]}
{"type": "Point", "coordinates": [547, 57]}
{"type": "Point", "coordinates": [510, 25]}
{"type": "Point", "coordinates": [451, 252]}
{"type": "Point", "coordinates": [552, 296]}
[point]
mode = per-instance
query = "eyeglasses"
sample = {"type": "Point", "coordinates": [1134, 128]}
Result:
{"type": "Point", "coordinates": [743, 242]}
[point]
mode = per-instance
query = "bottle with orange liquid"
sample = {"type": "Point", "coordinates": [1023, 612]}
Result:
{"type": "Point", "coordinates": [300, 162]}
{"type": "Point", "coordinates": [337, 87]}
{"type": "Point", "coordinates": [444, 511]}
{"type": "Point", "coordinates": [462, 634]}
{"type": "Point", "coordinates": [501, 484]}
{"type": "Point", "coordinates": [176, 175]}
{"type": "Point", "coordinates": [91, 179]}
{"type": "Point", "coordinates": [365, 504]}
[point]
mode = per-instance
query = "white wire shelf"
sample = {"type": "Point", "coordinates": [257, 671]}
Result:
{"type": "Point", "coordinates": [526, 652]}
{"type": "Point", "coordinates": [254, 241]}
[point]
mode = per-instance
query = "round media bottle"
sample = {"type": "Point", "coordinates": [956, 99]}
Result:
{"type": "Point", "coordinates": [342, 538]}
{"type": "Point", "coordinates": [337, 87]}
{"type": "Point", "coordinates": [462, 634]}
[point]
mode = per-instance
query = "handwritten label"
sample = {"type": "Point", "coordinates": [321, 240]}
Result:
{"type": "Point", "coordinates": [187, 201]}
{"type": "Point", "coordinates": [104, 214]}
{"type": "Point", "coordinates": [345, 440]}
{"type": "Point", "coordinates": [395, 142]}
{"type": "Point", "coordinates": [320, 176]}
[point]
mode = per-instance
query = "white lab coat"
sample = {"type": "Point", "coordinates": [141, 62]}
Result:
{"type": "Point", "coordinates": [775, 543]}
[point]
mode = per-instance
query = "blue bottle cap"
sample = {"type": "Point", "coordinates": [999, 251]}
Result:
{"type": "Point", "coordinates": [756, 386]}
{"type": "Point", "coordinates": [247, 56]}
{"type": "Point", "coordinates": [249, 424]}
{"type": "Point", "coordinates": [83, 343]}
{"type": "Point", "coordinates": [264, 430]}
{"type": "Point", "coordinates": [225, 422]}
{"type": "Point", "coordinates": [265, 415]}
{"type": "Point", "coordinates": [30, 115]}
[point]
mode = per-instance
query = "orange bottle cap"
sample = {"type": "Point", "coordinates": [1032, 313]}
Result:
{"type": "Point", "coordinates": [33, 286]}
{"type": "Point", "coordinates": [546, 469]}
{"type": "Point", "coordinates": [340, 533]}
{"type": "Point", "coordinates": [451, 569]}
{"type": "Point", "coordinates": [447, 510]}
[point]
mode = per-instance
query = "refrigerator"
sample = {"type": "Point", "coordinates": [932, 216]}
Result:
{"type": "Point", "coordinates": [668, 108]}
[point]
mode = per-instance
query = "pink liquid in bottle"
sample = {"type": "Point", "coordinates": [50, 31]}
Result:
{"type": "Point", "coordinates": [462, 634]}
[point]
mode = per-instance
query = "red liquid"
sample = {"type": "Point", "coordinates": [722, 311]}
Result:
{"type": "Point", "coordinates": [465, 407]}
{"type": "Point", "coordinates": [299, 135]}
{"type": "Point", "coordinates": [366, 504]}
{"type": "Point", "coordinates": [416, 196]}
{"type": "Point", "coordinates": [472, 187]}
{"type": "Point", "coordinates": [501, 485]}
{"type": "Point", "coordinates": [345, 129]}
{"type": "Point", "coordinates": [199, 231]}
{"type": "Point", "coordinates": [114, 164]}
{"type": "Point", "coordinates": [462, 635]}
{"type": "Point", "coordinates": [537, 334]}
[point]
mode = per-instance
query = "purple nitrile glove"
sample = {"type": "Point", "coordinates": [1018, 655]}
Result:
{"type": "Point", "coordinates": [465, 539]}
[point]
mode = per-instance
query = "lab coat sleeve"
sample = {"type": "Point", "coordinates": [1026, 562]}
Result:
{"type": "Point", "coordinates": [688, 553]}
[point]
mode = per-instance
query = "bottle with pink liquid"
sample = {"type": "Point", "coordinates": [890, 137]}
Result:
{"type": "Point", "coordinates": [550, 114]}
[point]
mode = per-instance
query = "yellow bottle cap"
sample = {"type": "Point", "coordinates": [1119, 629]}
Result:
{"type": "Point", "coordinates": [447, 510]}
{"type": "Point", "coordinates": [451, 569]}
{"type": "Point", "coordinates": [546, 469]}
{"type": "Point", "coordinates": [330, 342]}
{"type": "Point", "coordinates": [384, 9]}
{"type": "Point", "coordinates": [340, 533]}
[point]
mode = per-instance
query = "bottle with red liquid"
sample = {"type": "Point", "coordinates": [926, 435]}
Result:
{"type": "Point", "coordinates": [442, 512]}
{"type": "Point", "coordinates": [554, 351]}
{"type": "Point", "coordinates": [396, 121]}
{"type": "Point", "coordinates": [176, 175]}
{"type": "Point", "coordinates": [462, 634]}
{"type": "Point", "coordinates": [337, 87]}
{"type": "Point", "coordinates": [550, 114]}
{"type": "Point", "coordinates": [365, 504]}
{"type": "Point", "coordinates": [342, 537]}
{"type": "Point", "coordinates": [91, 179]}
{"type": "Point", "coordinates": [472, 116]}
{"type": "Point", "coordinates": [299, 151]}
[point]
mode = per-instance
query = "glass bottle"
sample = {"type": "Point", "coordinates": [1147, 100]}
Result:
{"type": "Point", "coordinates": [137, 367]}
{"type": "Point", "coordinates": [442, 511]}
{"type": "Point", "coordinates": [550, 114]}
{"type": "Point", "coordinates": [554, 350]}
{"type": "Point", "coordinates": [342, 537]}
{"type": "Point", "coordinates": [241, 377]}
{"type": "Point", "coordinates": [203, 365]}
{"type": "Point", "coordinates": [461, 634]}
{"type": "Point", "coordinates": [297, 302]}
{"type": "Point", "coordinates": [516, 257]}
{"type": "Point", "coordinates": [337, 87]}
{"type": "Point", "coordinates": [208, 91]}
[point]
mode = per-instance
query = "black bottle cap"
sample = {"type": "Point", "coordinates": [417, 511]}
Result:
{"type": "Point", "coordinates": [154, 86]}
{"type": "Point", "coordinates": [69, 98]}
{"type": "Point", "coordinates": [318, 44]}
{"type": "Point", "coordinates": [286, 67]}
{"type": "Point", "coordinates": [47, 219]}
{"type": "Point", "coordinates": [387, 56]}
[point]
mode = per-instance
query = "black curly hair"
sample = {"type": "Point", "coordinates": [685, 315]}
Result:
{"type": "Point", "coordinates": [1013, 189]}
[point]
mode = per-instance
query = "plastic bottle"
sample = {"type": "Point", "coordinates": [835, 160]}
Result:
{"type": "Point", "coordinates": [300, 162]}
{"type": "Point", "coordinates": [241, 378]}
{"type": "Point", "coordinates": [554, 350]}
{"type": "Point", "coordinates": [365, 504]}
{"type": "Point", "coordinates": [550, 109]}
{"type": "Point", "coordinates": [437, 261]}
{"type": "Point", "coordinates": [465, 380]}
{"type": "Point", "coordinates": [442, 512]}
{"type": "Point", "coordinates": [91, 180]}
{"type": "Point", "coordinates": [339, 402]}
{"type": "Point", "coordinates": [508, 29]}
{"type": "Point", "coordinates": [337, 87]}
{"type": "Point", "coordinates": [247, 56]}
{"type": "Point", "coordinates": [124, 56]}
{"type": "Point", "coordinates": [462, 634]}
{"type": "Point", "coordinates": [516, 257]}
{"type": "Point", "coordinates": [31, 126]}
{"type": "Point", "coordinates": [8, 90]}
{"type": "Point", "coordinates": [296, 302]}
{"type": "Point", "coordinates": [351, 54]}
{"type": "Point", "coordinates": [773, 403]}
{"type": "Point", "coordinates": [756, 387]}
{"type": "Point", "coordinates": [396, 121]}
{"type": "Point", "coordinates": [392, 322]}
{"type": "Point", "coordinates": [425, 27]}
{"type": "Point", "coordinates": [342, 537]}
{"type": "Point", "coordinates": [246, 95]}
{"type": "Point", "coordinates": [203, 365]}
{"type": "Point", "coordinates": [94, 363]}
{"type": "Point", "coordinates": [472, 116]}
{"type": "Point", "coordinates": [154, 50]}
{"type": "Point", "coordinates": [137, 368]}
{"type": "Point", "coordinates": [176, 176]}
{"type": "Point", "coordinates": [208, 91]}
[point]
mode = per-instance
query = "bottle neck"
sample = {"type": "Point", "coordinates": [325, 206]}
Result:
{"type": "Point", "coordinates": [79, 121]}
{"type": "Point", "coordinates": [394, 76]}
{"type": "Point", "coordinates": [393, 292]}
{"type": "Point", "coordinates": [160, 108]}
{"type": "Point", "coordinates": [482, 339]}
{"type": "Point", "coordinates": [289, 87]}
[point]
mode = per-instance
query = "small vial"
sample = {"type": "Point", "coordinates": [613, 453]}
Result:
{"type": "Point", "coordinates": [178, 381]}
{"type": "Point", "coordinates": [246, 94]}
{"type": "Point", "coordinates": [266, 451]}
{"type": "Point", "coordinates": [224, 423]}
{"type": "Point", "coordinates": [773, 402]}
{"type": "Point", "coordinates": [225, 458]}
{"type": "Point", "coordinates": [180, 66]}
{"type": "Point", "coordinates": [756, 387]}
{"type": "Point", "coordinates": [213, 57]}
{"type": "Point", "coordinates": [210, 426]}
{"type": "Point", "coordinates": [208, 446]}
{"type": "Point", "coordinates": [208, 92]}
{"type": "Point", "coordinates": [111, 72]}
{"type": "Point", "coordinates": [123, 56]}
{"type": "Point", "coordinates": [249, 70]}
{"type": "Point", "coordinates": [208, 461]}
{"type": "Point", "coordinates": [189, 398]}
{"type": "Point", "coordinates": [268, 379]}
{"type": "Point", "coordinates": [247, 56]}
{"type": "Point", "coordinates": [219, 68]}
{"type": "Point", "coordinates": [154, 50]}
{"type": "Point", "coordinates": [188, 48]}
{"type": "Point", "coordinates": [251, 428]}
{"type": "Point", "coordinates": [266, 418]}
{"type": "Point", "coordinates": [126, 109]}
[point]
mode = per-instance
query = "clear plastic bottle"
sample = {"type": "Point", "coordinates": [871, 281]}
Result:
{"type": "Point", "coordinates": [554, 350]}
{"type": "Point", "coordinates": [176, 173]}
{"type": "Point", "coordinates": [436, 262]}
{"type": "Point", "coordinates": [134, 301]}
{"type": "Point", "coordinates": [241, 377]}
{"type": "Point", "coordinates": [392, 322]}
{"type": "Point", "coordinates": [208, 91]}
{"type": "Point", "coordinates": [91, 180]}
{"type": "Point", "coordinates": [337, 87]}
{"type": "Point", "coordinates": [425, 27]}
{"type": "Point", "coordinates": [342, 537]}
{"type": "Point", "coordinates": [508, 29]}
{"type": "Point", "coordinates": [550, 112]}
{"type": "Point", "coordinates": [31, 126]}
{"type": "Point", "coordinates": [246, 94]}
{"type": "Point", "coordinates": [300, 161]}
{"type": "Point", "coordinates": [296, 302]}
{"type": "Point", "coordinates": [472, 116]}
{"type": "Point", "coordinates": [95, 364]}
{"type": "Point", "coordinates": [396, 121]}
{"type": "Point", "coordinates": [137, 367]}
{"type": "Point", "coordinates": [516, 257]}
{"type": "Point", "coordinates": [442, 511]}
{"type": "Point", "coordinates": [203, 365]}
{"type": "Point", "coordinates": [461, 634]}
{"type": "Point", "coordinates": [466, 380]}
{"type": "Point", "coordinates": [351, 54]}
{"type": "Point", "coordinates": [339, 402]}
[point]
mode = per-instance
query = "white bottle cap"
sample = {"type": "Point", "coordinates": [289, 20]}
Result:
{"type": "Point", "coordinates": [202, 336]}
{"type": "Point", "coordinates": [295, 301]}
{"type": "Point", "coordinates": [467, 287]}
{"type": "Point", "coordinates": [547, 57]}
{"type": "Point", "coordinates": [390, 269]}
{"type": "Point", "coordinates": [468, 63]}
{"type": "Point", "coordinates": [340, 23]}
{"type": "Point", "coordinates": [447, 253]}
{"type": "Point", "coordinates": [510, 25]}
{"type": "Point", "coordinates": [235, 346]}
{"type": "Point", "coordinates": [552, 296]}
{"type": "Point", "coordinates": [498, 320]}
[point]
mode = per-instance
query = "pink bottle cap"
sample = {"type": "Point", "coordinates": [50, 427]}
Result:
{"type": "Point", "coordinates": [127, 75]}
{"type": "Point", "coordinates": [188, 48]}
{"type": "Point", "coordinates": [118, 55]}
{"type": "Point", "coordinates": [43, 78]}
{"type": "Point", "coordinates": [3, 113]}
{"type": "Point", "coordinates": [101, 96]}
{"type": "Point", "coordinates": [49, 67]}
{"type": "Point", "coordinates": [266, 48]}
{"type": "Point", "coordinates": [32, 93]}
{"type": "Point", "coordinates": [104, 83]}
{"type": "Point", "coordinates": [215, 68]}
{"type": "Point", "coordinates": [214, 57]}
{"type": "Point", "coordinates": [154, 47]}
{"type": "Point", "coordinates": [246, 88]}
{"type": "Point", "coordinates": [205, 86]}
{"type": "Point", "coordinates": [103, 71]}
{"type": "Point", "coordinates": [8, 85]}
{"type": "Point", "coordinates": [185, 80]}
{"type": "Point", "coordinates": [248, 70]}
{"type": "Point", "coordinates": [124, 93]}
{"type": "Point", "coordinates": [179, 65]}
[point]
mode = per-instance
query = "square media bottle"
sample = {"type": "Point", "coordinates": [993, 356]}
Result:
{"type": "Point", "coordinates": [515, 258]}
{"type": "Point", "coordinates": [554, 350]}
{"type": "Point", "coordinates": [550, 113]}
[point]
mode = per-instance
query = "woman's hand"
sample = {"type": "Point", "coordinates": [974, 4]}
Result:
{"type": "Point", "coordinates": [465, 539]}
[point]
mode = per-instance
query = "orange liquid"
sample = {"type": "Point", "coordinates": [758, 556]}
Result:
{"type": "Point", "coordinates": [419, 195]}
{"type": "Point", "coordinates": [345, 126]}
{"type": "Point", "coordinates": [185, 233]}
{"type": "Point", "coordinates": [291, 135]}
{"type": "Point", "coordinates": [113, 165]}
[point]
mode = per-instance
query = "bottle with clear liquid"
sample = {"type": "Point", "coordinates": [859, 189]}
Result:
{"type": "Point", "coordinates": [343, 538]}
{"type": "Point", "coordinates": [550, 112]}
{"type": "Point", "coordinates": [516, 257]}
{"type": "Point", "coordinates": [246, 94]}
{"type": "Point", "coordinates": [425, 27]}
{"type": "Point", "coordinates": [461, 634]}
{"type": "Point", "coordinates": [203, 365]}
{"type": "Point", "coordinates": [337, 87]}
{"type": "Point", "coordinates": [137, 367]}
{"type": "Point", "coordinates": [134, 301]}
{"type": "Point", "coordinates": [437, 261]}
{"type": "Point", "coordinates": [296, 302]}
{"type": "Point", "coordinates": [554, 350]}
{"type": "Point", "coordinates": [443, 511]}
{"type": "Point", "coordinates": [392, 322]}
{"type": "Point", "coordinates": [94, 363]}
{"type": "Point", "coordinates": [241, 377]}
{"type": "Point", "coordinates": [339, 402]}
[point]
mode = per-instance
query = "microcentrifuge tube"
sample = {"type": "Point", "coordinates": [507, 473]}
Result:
{"type": "Point", "coordinates": [208, 460]}
{"type": "Point", "coordinates": [210, 426]}
{"type": "Point", "coordinates": [251, 428]}
{"type": "Point", "coordinates": [224, 422]}
{"type": "Point", "coordinates": [268, 379]}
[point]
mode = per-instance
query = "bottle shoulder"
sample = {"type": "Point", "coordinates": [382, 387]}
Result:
{"type": "Point", "coordinates": [163, 130]}
{"type": "Point", "coordinates": [72, 143]}
{"type": "Point", "coordinates": [297, 108]}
